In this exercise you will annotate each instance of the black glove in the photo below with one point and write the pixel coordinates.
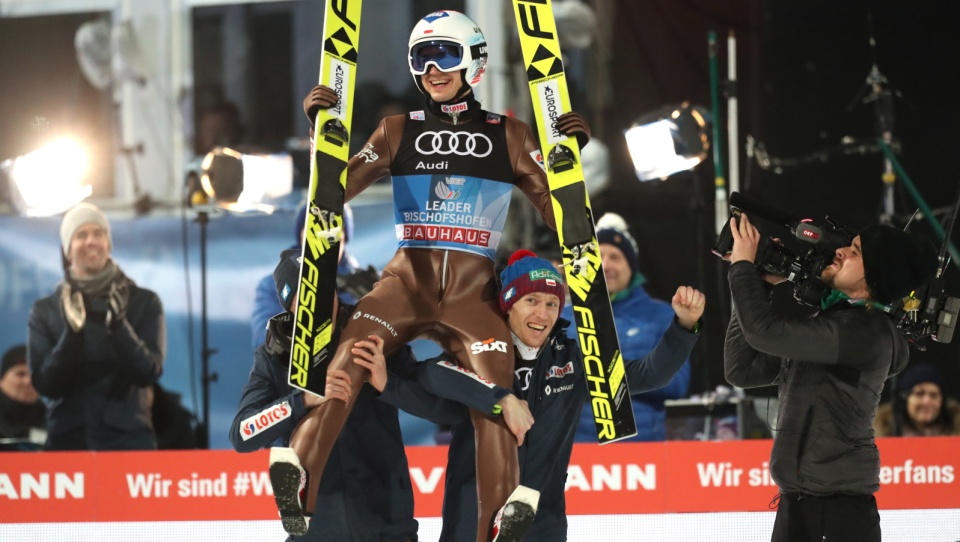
(573, 124)
(73, 310)
(117, 299)
(320, 97)
(279, 334)
(359, 282)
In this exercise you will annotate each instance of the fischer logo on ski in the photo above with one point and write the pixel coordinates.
(593, 317)
(312, 347)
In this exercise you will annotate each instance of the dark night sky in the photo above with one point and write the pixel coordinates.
(801, 65)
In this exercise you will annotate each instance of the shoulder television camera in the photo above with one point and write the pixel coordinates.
(795, 248)
(799, 249)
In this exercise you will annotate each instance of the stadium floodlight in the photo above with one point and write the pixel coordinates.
(240, 182)
(48, 180)
(669, 140)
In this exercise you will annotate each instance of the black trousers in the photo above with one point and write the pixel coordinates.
(837, 518)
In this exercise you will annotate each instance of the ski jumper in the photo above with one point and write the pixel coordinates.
(454, 167)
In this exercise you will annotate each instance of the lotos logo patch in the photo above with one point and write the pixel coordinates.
(538, 158)
(260, 422)
(455, 108)
(489, 345)
(560, 372)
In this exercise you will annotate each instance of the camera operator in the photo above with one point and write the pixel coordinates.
(830, 369)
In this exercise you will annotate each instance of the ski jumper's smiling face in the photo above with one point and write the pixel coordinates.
(442, 86)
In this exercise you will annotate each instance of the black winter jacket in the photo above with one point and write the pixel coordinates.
(365, 493)
(94, 382)
(830, 369)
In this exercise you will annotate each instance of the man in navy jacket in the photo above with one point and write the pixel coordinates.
(365, 494)
(549, 378)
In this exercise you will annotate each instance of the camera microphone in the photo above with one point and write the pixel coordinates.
(758, 211)
(755, 207)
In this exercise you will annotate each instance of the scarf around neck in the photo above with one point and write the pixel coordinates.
(99, 283)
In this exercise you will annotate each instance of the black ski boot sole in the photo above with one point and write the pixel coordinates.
(285, 479)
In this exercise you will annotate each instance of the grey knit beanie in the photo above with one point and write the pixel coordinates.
(84, 213)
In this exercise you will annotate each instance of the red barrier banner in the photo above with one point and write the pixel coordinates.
(627, 478)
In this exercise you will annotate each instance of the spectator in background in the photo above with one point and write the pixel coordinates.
(96, 345)
(21, 411)
(352, 281)
(920, 408)
(174, 425)
(641, 321)
(374, 101)
(218, 125)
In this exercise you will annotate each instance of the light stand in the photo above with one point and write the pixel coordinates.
(206, 377)
(196, 199)
(228, 179)
(672, 139)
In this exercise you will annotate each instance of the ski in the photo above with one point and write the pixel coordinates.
(312, 340)
(603, 363)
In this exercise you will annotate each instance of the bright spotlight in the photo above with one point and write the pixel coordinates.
(241, 182)
(49, 180)
(667, 141)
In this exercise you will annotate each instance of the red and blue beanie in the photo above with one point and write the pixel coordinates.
(526, 273)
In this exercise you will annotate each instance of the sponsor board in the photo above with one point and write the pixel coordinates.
(624, 478)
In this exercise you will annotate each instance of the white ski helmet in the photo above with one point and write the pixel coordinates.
(451, 41)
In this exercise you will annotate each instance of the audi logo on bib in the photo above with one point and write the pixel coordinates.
(446, 142)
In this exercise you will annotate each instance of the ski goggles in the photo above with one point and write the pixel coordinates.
(445, 55)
